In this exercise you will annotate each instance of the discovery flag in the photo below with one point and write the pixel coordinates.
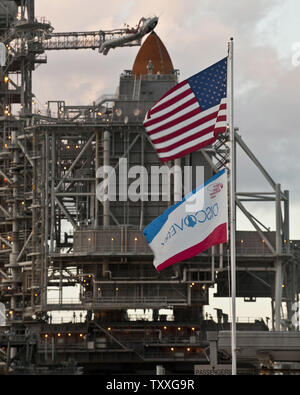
(192, 225)
(190, 115)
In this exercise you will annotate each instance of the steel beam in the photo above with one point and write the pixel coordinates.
(278, 278)
(249, 216)
(87, 144)
(66, 212)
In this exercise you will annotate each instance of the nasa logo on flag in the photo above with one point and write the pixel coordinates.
(214, 189)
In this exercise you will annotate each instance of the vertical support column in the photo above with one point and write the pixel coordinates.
(29, 62)
(15, 228)
(177, 180)
(290, 269)
(30, 10)
(213, 254)
(22, 67)
(8, 355)
(52, 229)
(91, 203)
(278, 263)
(28, 85)
(212, 337)
(52, 349)
(26, 62)
(106, 161)
(46, 216)
(127, 202)
(232, 208)
(96, 219)
(106, 205)
(35, 220)
(189, 293)
(286, 223)
(221, 256)
(273, 314)
(60, 290)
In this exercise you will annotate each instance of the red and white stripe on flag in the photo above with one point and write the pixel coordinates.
(189, 116)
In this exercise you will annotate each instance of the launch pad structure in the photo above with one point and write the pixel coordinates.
(56, 234)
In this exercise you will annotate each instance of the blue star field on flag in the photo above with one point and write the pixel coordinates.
(210, 85)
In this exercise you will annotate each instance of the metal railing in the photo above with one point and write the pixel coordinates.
(241, 319)
(126, 302)
(110, 299)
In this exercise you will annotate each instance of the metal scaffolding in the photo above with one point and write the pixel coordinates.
(56, 234)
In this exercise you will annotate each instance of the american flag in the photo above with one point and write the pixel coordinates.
(190, 115)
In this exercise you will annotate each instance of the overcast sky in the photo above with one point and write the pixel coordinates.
(195, 32)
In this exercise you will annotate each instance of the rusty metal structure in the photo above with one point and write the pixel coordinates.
(56, 234)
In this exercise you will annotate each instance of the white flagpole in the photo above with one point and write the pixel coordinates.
(232, 209)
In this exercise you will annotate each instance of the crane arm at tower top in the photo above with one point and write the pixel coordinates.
(101, 40)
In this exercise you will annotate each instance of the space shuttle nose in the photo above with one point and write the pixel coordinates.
(154, 22)
(150, 24)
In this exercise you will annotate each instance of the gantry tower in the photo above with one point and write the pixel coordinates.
(56, 234)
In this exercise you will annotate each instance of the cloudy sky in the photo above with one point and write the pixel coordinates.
(266, 70)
